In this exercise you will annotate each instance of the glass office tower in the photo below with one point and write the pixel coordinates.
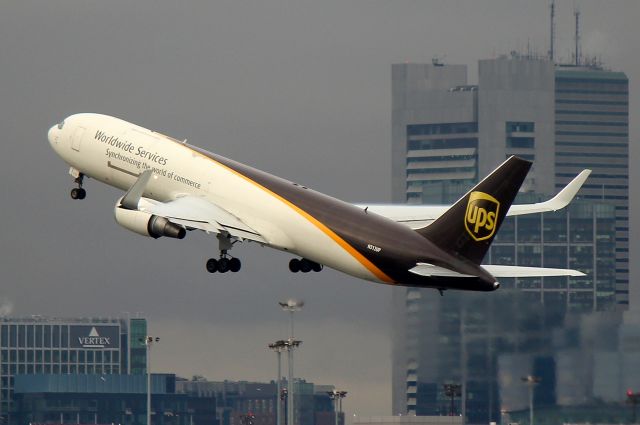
(39, 345)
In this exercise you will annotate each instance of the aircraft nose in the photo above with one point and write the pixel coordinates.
(52, 134)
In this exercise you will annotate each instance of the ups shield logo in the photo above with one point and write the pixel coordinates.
(481, 216)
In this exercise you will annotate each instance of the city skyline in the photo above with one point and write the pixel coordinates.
(304, 93)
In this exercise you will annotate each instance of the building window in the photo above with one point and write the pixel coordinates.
(21, 335)
(519, 127)
(30, 336)
(521, 142)
(64, 336)
(13, 335)
(47, 336)
(445, 128)
(56, 335)
(456, 143)
(38, 336)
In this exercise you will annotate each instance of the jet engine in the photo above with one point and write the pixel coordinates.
(146, 224)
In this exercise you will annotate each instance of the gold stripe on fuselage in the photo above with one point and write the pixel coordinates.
(324, 228)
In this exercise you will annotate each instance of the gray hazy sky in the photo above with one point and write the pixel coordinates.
(298, 88)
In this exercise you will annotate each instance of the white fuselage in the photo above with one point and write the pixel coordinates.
(115, 152)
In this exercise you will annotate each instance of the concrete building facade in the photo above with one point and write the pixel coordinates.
(446, 134)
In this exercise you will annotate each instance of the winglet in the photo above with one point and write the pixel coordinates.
(558, 202)
(566, 195)
(132, 197)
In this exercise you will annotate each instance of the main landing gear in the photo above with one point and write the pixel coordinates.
(225, 263)
(78, 192)
(303, 265)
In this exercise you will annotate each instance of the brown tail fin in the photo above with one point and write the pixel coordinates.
(469, 226)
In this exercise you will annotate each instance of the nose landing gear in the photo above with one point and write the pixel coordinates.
(78, 192)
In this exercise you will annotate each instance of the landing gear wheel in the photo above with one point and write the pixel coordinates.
(305, 265)
(223, 265)
(78, 193)
(234, 265)
(212, 265)
(294, 265)
(316, 267)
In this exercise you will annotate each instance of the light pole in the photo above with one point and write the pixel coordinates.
(634, 399)
(531, 381)
(338, 396)
(291, 345)
(148, 341)
(452, 391)
(291, 306)
(278, 347)
(333, 395)
(503, 416)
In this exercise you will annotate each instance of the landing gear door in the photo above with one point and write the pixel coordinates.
(76, 138)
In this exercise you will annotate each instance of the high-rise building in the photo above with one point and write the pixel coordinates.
(445, 135)
(51, 346)
(592, 131)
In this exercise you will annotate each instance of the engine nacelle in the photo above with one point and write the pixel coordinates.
(146, 224)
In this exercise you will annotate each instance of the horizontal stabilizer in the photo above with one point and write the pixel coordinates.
(499, 271)
(430, 270)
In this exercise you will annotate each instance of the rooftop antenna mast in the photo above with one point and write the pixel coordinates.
(576, 12)
(552, 39)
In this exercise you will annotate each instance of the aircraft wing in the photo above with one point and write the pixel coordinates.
(418, 216)
(191, 212)
(197, 213)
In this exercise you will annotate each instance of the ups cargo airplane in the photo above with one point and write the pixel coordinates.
(172, 187)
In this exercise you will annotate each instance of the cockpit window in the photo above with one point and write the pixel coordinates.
(60, 125)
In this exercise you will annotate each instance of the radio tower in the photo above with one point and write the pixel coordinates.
(576, 12)
(552, 38)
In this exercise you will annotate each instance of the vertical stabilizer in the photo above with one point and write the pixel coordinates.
(469, 226)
